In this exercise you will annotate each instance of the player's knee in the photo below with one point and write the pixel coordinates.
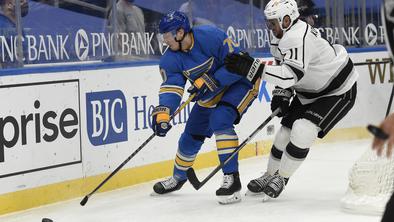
(189, 144)
(303, 133)
(222, 118)
(282, 138)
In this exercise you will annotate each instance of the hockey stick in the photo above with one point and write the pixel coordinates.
(390, 101)
(191, 174)
(388, 23)
(377, 132)
(392, 90)
(86, 198)
(380, 62)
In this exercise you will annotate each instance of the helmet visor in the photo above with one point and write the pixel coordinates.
(165, 37)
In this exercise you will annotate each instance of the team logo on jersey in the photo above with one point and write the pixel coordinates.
(81, 44)
(106, 117)
(199, 70)
(371, 34)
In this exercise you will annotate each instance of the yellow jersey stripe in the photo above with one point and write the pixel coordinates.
(171, 90)
(248, 98)
(209, 103)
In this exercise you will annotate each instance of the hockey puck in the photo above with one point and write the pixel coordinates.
(46, 220)
(376, 131)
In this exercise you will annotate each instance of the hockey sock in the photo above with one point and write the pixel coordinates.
(293, 158)
(274, 160)
(226, 143)
(188, 147)
(282, 138)
(302, 136)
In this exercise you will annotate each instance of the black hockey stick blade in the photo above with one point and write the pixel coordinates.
(192, 177)
(84, 201)
(376, 131)
(181, 107)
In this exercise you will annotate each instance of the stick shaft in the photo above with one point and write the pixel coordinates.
(390, 101)
(138, 149)
(220, 166)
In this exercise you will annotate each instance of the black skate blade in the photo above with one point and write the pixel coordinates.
(192, 177)
(376, 131)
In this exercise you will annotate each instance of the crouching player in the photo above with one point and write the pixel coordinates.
(197, 55)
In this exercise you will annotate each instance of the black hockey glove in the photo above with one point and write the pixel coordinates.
(244, 65)
(161, 120)
(202, 85)
(281, 99)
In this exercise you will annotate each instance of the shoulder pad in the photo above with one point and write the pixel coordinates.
(294, 37)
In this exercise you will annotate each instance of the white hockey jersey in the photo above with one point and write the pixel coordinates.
(310, 64)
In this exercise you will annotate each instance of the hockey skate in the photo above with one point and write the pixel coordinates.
(229, 191)
(167, 186)
(275, 186)
(256, 186)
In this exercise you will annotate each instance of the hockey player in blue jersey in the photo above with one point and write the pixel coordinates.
(197, 55)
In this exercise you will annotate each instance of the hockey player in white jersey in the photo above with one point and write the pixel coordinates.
(318, 78)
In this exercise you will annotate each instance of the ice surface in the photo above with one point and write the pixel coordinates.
(312, 195)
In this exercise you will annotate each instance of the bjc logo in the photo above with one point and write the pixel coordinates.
(106, 117)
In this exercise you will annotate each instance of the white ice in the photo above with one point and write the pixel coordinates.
(312, 195)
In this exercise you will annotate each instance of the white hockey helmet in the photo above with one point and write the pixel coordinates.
(278, 9)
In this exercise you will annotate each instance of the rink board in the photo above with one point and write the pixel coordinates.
(87, 122)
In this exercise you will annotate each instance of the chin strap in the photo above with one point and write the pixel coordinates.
(180, 41)
(291, 24)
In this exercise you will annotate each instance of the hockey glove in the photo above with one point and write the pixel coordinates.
(281, 99)
(244, 65)
(161, 120)
(202, 85)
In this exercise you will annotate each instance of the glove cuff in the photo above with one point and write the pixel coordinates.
(256, 70)
(162, 114)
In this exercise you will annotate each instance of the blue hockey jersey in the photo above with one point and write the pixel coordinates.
(210, 47)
